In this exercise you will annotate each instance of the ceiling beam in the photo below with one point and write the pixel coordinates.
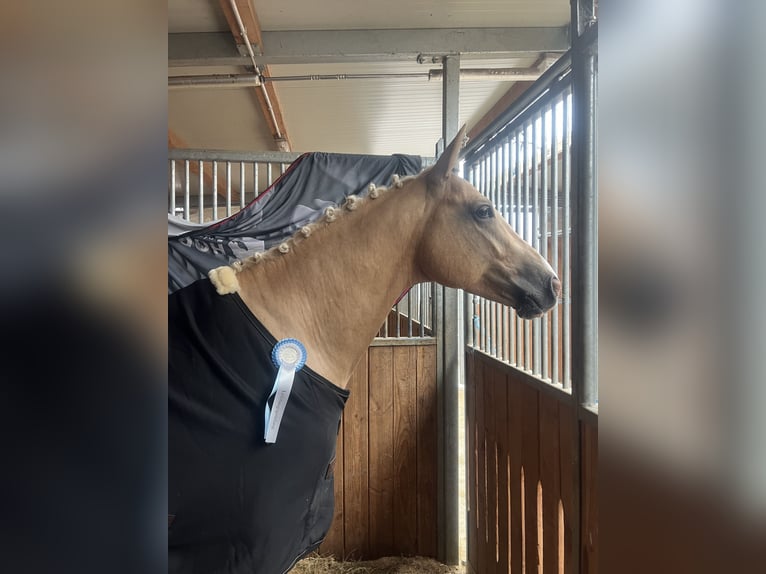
(328, 46)
(266, 94)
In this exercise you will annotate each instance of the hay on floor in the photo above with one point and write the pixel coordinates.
(392, 565)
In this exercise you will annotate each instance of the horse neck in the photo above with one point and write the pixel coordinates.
(333, 290)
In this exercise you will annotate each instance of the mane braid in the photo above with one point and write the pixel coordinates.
(224, 278)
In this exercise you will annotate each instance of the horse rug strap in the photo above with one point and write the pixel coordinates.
(238, 504)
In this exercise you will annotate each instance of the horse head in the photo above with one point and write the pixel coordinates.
(468, 244)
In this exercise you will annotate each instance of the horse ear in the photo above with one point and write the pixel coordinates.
(439, 173)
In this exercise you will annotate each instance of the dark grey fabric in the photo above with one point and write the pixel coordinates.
(312, 183)
(237, 505)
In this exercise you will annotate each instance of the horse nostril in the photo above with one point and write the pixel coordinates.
(556, 286)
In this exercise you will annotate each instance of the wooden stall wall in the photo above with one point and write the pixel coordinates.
(525, 475)
(386, 466)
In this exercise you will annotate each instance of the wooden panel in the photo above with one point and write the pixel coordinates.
(426, 451)
(569, 470)
(405, 455)
(550, 478)
(471, 455)
(490, 377)
(481, 468)
(381, 463)
(530, 464)
(515, 409)
(503, 477)
(529, 459)
(589, 505)
(356, 486)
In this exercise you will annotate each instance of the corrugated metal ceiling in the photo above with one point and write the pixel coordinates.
(378, 116)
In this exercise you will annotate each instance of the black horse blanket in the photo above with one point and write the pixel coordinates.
(235, 504)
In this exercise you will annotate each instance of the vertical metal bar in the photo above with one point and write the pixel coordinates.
(409, 313)
(228, 188)
(215, 190)
(398, 320)
(172, 209)
(584, 285)
(511, 216)
(255, 179)
(519, 229)
(544, 234)
(565, 280)
(242, 186)
(504, 200)
(268, 175)
(422, 301)
(469, 298)
(497, 176)
(450, 359)
(201, 191)
(187, 190)
(486, 334)
(281, 169)
(492, 184)
(556, 347)
(507, 323)
(528, 237)
(536, 324)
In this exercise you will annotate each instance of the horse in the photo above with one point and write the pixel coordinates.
(237, 504)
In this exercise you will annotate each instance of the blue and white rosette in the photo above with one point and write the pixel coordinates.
(290, 356)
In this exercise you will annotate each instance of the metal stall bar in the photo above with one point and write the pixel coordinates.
(228, 188)
(502, 340)
(555, 373)
(242, 201)
(172, 210)
(450, 358)
(565, 280)
(505, 211)
(255, 179)
(518, 225)
(535, 233)
(490, 193)
(533, 139)
(470, 172)
(528, 238)
(187, 189)
(545, 374)
(584, 239)
(215, 190)
(201, 205)
(508, 167)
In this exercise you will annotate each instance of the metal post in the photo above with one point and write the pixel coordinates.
(215, 191)
(172, 209)
(186, 190)
(584, 243)
(450, 357)
(201, 206)
(241, 185)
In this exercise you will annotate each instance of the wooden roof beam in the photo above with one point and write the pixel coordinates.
(266, 94)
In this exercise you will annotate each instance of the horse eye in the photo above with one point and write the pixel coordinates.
(485, 212)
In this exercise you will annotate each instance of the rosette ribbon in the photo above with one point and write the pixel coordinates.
(289, 355)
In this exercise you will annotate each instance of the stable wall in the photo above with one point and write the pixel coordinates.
(386, 463)
(532, 497)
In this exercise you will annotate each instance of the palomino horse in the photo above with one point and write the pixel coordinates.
(237, 504)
